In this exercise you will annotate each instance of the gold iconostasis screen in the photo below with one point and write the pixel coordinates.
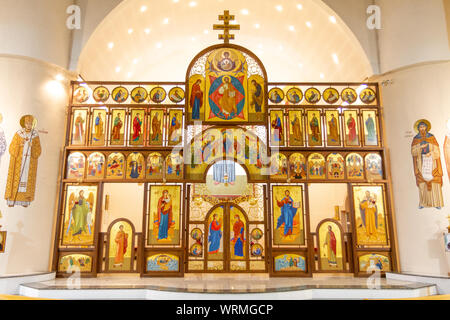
(184, 141)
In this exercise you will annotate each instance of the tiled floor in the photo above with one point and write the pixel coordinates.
(224, 283)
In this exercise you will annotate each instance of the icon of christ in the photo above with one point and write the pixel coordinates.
(227, 97)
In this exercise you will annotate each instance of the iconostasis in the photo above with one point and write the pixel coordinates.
(225, 161)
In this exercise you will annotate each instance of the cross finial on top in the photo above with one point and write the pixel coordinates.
(226, 26)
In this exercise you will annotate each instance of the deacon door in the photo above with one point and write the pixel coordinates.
(227, 239)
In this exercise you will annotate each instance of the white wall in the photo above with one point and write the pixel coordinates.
(126, 201)
(330, 195)
(412, 31)
(27, 86)
(36, 28)
(417, 92)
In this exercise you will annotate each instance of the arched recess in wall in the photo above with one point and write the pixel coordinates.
(156, 44)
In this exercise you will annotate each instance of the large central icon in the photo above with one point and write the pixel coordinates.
(227, 97)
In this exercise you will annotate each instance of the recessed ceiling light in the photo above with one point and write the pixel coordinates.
(135, 61)
(192, 4)
(260, 45)
(257, 25)
(299, 6)
(335, 58)
(322, 76)
(333, 19)
(118, 69)
(130, 31)
(279, 7)
(147, 31)
(193, 38)
(308, 24)
(175, 1)
(159, 45)
(205, 31)
(244, 11)
(291, 28)
(111, 45)
(166, 21)
(281, 48)
(129, 74)
(300, 65)
(143, 8)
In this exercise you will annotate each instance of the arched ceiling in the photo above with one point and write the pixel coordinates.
(152, 40)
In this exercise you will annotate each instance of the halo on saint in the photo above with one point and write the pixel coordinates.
(25, 118)
(418, 122)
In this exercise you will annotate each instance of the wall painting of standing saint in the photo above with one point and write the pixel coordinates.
(175, 127)
(316, 166)
(355, 166)
(427, 166)
(374, 166)
(297, 167)
(330, 246)
(370, 127)
(76, 163)
(333, 128)
(98, 127)
(335, 166)
(139, 95)
(115, 167)
(370, 215)
(121, 246)
(79, 216)
(117, 131)
(238, 234)
(155, 166)
(137, 127)
(196, 110)
(135, 166)
(75, 262)
(79, 122)
(214, 236)
(351, 125)
(164, 215)
(226, 86)
(287, 210)
(256, 90)
(95, 166)
(289, 263)
(24, 151)
(374, 261)
(278, 166)
(156, 124)
(174, 166)
(296, 128)
(276, 128)
(314, 128)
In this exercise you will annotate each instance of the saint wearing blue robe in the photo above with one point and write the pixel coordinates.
(288, 213)
(370, 125)
(164, 216)
(215, 235)
(238, 239)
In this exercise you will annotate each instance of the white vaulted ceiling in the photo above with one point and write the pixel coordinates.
(154, 40)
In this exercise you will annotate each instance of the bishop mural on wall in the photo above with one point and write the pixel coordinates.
(24, 150)
(427, 166)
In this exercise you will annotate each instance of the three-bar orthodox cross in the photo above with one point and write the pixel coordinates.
(226, 26)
